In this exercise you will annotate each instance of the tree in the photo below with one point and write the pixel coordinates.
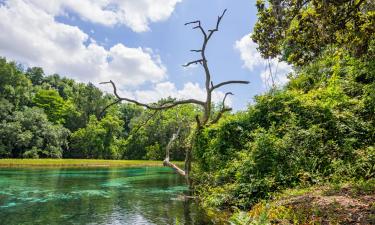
(150, 133)
(127, 113)
(14, 85)
(98, 140)
(207, 118)
(299, 30)
(54, 106)
(29, 134)
(35, 74)
(89, 100)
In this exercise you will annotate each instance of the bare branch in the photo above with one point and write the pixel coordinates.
(198, 26)
(114, 87)
(193, 62)
(166, 161)
(101, 115)
(169, 105)
(193, 22)
(176, 168)
(169, 145)
(193, 50)
(211, 32)
(223, 109)
(198, 121)
(225, 98)
(229, 82)
(135, 131)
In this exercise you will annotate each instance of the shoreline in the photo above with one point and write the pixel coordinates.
(52, 163)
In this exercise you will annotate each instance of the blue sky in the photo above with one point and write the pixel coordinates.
(140, 45)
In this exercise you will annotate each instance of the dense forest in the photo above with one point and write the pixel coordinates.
(55, 117)
(318, 128)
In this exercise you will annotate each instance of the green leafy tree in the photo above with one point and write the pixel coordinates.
(14, 85)
(99, 139)
(35, 74)
(299, 30)
(318, 128)
(152, 132)
(29, 134)
(54, 106)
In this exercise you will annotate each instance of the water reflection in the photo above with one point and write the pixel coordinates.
(95, 196)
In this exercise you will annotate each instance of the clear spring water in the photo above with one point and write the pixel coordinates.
(148, 195)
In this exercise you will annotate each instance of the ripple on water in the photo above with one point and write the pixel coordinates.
(94, 196)
(10, 204)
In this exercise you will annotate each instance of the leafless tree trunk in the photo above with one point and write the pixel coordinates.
(204, 120)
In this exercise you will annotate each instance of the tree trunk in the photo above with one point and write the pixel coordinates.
(206, 119)
(188, 157)
(187, 168)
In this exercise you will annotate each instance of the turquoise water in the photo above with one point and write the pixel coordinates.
(95, 196)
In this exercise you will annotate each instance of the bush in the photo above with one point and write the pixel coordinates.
(319, 128)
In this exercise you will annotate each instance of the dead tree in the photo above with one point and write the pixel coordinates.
(204, 120)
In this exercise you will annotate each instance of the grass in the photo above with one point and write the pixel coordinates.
(77, 163)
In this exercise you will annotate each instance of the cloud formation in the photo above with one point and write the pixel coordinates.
(253, 60)
(136, 14)
(31, 35)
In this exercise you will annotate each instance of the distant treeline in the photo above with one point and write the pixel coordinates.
(56, 117)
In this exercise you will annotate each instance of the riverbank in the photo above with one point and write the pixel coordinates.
(349, 203)
(77, 163)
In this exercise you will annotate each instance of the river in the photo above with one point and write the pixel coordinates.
(148, 195)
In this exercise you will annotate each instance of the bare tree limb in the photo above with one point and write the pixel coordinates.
(154, 107)
(229, 82)
(144, 123)
(176, 168)
(193, 22)
(223, 109)
(169, 145)
(200, 61)
(101, 115)
(225, 97)
(198, 26)
(166, 161)
(198, 121)
(113, 86)
(207, 118)
(211, 32)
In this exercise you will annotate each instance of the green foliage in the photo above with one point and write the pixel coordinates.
(76, 107)
(319, 128)
(153, 130)
(98, 140)
(14, 86)
(29, 134)
(299, 30)
(35, 74)
(54, 106)
(314, 205)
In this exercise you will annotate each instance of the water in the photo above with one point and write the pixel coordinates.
(95, 196)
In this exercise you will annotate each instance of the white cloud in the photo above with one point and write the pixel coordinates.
(136, 14)
(253, 60)
(32, 36)
(133, 65)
